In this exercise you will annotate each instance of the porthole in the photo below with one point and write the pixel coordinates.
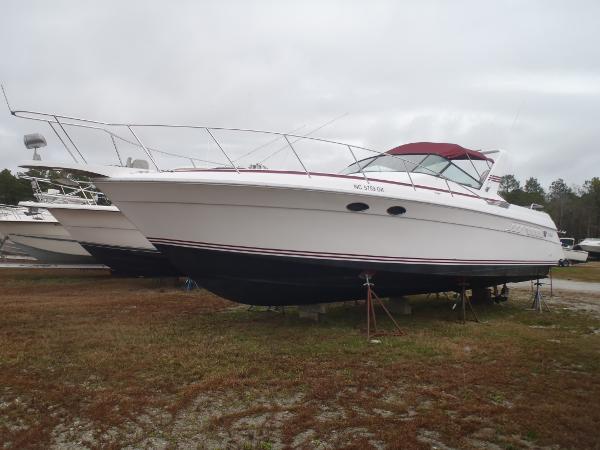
(356, 207)
(396, 210)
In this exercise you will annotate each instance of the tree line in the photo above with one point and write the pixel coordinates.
(13, 189)
(575, 210)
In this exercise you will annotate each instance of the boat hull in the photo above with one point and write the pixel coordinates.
(593, 250)
(575, 255)
(48, 242)
(276, 280)
(113, 240)
(129, 261)
(277, 243)
(53, 257)
(8, 248)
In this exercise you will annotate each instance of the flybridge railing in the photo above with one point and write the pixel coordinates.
(68, 191)
(69, 121)
(60, 122)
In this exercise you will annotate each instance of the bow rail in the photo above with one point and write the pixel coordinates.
(62, 122)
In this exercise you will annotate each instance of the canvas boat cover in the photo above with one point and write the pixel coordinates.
(448, 151)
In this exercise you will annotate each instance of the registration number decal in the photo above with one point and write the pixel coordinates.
(368, 187)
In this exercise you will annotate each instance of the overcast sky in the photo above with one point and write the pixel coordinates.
(521, 76)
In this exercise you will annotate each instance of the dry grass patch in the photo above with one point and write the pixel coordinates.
(102, 362)
(589, 271)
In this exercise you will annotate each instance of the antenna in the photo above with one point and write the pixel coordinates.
(517, 114)
(6, 100)
(302, 137)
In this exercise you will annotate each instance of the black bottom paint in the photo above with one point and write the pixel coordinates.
(132, 261)
(279, 280)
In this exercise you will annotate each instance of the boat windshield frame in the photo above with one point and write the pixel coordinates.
(426, 163)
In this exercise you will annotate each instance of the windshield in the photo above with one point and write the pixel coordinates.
(434, 165)
(385, 163)
(566, 242)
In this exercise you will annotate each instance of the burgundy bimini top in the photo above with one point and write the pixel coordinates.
(448, 151)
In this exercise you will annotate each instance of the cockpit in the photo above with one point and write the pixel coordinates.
(447, 161)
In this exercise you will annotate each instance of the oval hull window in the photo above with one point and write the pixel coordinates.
(356, 207)
(396, 210)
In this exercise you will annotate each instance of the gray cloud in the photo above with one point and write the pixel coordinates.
(520, 76)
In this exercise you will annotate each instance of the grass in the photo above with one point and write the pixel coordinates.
(589, 271)
(107, 362)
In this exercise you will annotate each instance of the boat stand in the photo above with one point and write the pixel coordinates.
(463, 300)
(371, 318)
(539, 303)
(502, 296)
(190, 285)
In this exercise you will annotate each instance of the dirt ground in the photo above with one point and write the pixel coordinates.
(92, 361)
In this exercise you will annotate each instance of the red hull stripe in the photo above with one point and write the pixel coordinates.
(343, 256)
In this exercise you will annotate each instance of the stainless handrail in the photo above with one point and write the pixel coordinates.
(86, 189)
(85, 123)
(115, 136)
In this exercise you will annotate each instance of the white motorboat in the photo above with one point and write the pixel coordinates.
(572, 255)
(35, 231)
(270, 237)
(8, 248)
(38, 234)
(101, 229)
(590, 245)
(109, 237)
(422, 217)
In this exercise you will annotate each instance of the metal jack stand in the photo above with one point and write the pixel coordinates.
(463, 300)
(539, 303)
(502, 296)
(371, 310)
(190, 285)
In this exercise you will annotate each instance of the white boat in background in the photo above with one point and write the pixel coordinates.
(8, 248)
(590, 245)
(37, 233)
(113, 240)
(572, 255)
(422, 217)
(101, 229)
